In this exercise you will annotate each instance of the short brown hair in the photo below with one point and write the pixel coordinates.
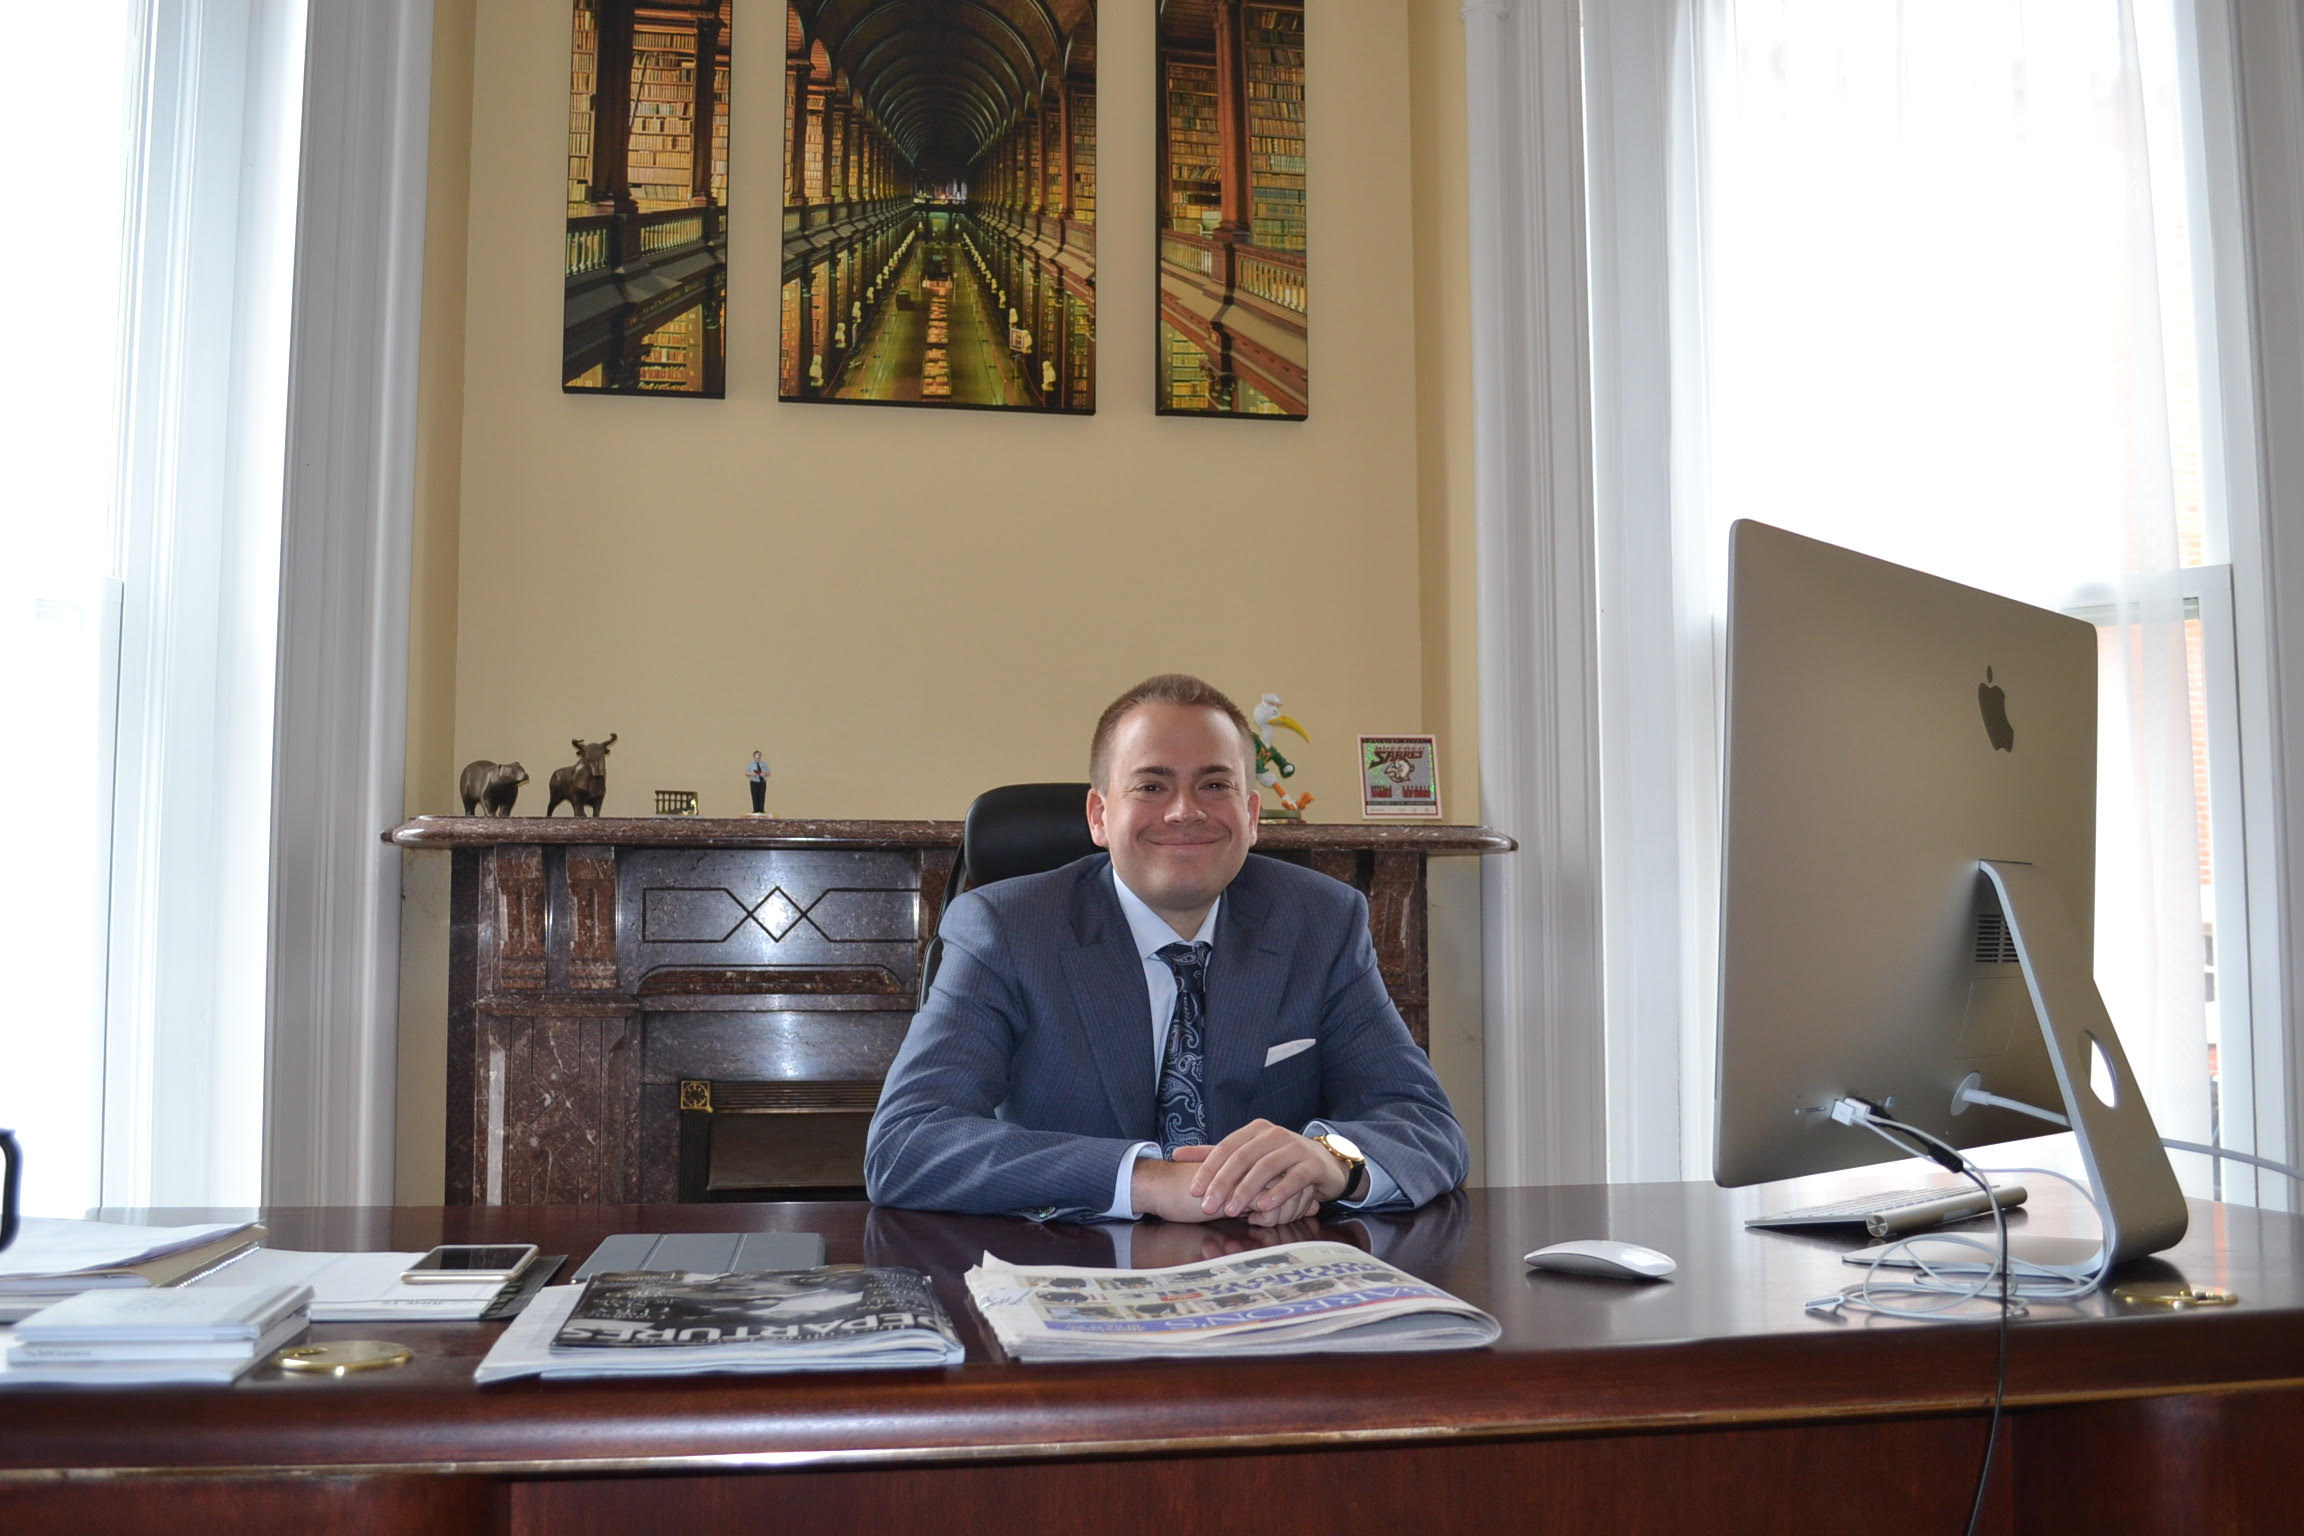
(1168, 688)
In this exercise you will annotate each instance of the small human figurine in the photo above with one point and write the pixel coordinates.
(756, 775)
(1271, 767)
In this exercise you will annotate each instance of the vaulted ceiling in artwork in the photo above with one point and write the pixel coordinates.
(944, 79)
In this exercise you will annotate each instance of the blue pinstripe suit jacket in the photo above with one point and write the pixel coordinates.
(1030, 1071)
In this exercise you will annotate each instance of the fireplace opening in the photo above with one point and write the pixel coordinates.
(774, 1141)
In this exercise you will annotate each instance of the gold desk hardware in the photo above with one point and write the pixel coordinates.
(2178, 1298)
(342, 1357)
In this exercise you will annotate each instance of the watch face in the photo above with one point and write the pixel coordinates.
(1345, 1145)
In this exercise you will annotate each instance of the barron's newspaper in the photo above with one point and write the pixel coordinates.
(1299, 1298)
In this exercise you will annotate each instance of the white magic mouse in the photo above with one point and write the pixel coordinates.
(1604, 1256)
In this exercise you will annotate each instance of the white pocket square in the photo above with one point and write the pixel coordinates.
(1286, 1049)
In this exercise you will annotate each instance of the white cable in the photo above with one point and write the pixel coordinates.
(2003, 1270)
(2237, 1157)
(2019, 1280)
(1946, 1290)
(1969, 1093)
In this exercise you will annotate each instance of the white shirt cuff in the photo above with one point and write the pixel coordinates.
(1123, 1205)
(1380, 1185)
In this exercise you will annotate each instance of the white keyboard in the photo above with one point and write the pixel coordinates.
(1895, 1211)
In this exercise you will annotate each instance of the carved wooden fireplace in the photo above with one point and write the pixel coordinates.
(683, 1009)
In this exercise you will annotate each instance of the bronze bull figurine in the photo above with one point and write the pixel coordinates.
(583, 784)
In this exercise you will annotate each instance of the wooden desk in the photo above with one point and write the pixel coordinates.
(1711, 1402)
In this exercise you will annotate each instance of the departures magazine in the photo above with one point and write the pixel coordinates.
(840, 1317)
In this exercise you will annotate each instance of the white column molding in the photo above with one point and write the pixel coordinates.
(2259, 46)
(1539, 678)
(342, 698)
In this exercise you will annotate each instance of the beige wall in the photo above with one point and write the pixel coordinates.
(904, 606)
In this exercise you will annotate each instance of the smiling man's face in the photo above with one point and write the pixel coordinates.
(1177, 808)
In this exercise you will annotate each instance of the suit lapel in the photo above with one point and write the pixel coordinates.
(1112, 1003)
(1247, 978)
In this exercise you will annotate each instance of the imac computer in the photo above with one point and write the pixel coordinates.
(1908, 879)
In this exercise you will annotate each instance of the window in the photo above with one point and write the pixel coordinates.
(1919, 280)
(137, 636)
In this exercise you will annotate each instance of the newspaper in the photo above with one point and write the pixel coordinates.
(630, 1323)
(1299, 1298)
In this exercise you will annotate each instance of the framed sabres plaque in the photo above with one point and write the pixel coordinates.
(1399, 776)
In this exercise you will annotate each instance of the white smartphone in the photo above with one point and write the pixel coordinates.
(469, 1263)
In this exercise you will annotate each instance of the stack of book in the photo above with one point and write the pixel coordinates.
(53, 1258)
(204, 1333)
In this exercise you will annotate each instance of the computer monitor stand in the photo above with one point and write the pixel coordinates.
(2136, 1191)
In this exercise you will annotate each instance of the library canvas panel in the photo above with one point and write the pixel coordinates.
(647, 255)
(940, 203)
(1232, 212)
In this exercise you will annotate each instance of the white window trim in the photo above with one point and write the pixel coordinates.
(1539, 680)
(339, 747)
(2251, 1045)
(2251, 68)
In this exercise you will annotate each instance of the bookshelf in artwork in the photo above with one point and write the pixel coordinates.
(790, 331)
(1084, 156)
(582, 75)
(820, 316)
(815, 156)
(1275, 47)
(1082, 355)
(1195, 193)
(672, 355)
(661, 146)
(720, 136)
(1183, 372)
(663, 118)
(835, 157)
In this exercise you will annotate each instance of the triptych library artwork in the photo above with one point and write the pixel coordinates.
(938, 242)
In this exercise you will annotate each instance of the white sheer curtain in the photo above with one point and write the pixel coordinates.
(60, 616)
(143, 453)
(1913, 272)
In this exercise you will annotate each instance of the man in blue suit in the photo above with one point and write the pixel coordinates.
(1171, 1028)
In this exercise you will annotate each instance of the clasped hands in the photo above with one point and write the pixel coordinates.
(1264, 1173)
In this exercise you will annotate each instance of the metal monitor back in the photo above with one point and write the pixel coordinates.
(1861, 950)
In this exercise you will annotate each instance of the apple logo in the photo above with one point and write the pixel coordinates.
(1993, 701)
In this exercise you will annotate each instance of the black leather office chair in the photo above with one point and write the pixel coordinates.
(1017, 829)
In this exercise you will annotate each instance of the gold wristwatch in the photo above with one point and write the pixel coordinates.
(1354, 1160)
